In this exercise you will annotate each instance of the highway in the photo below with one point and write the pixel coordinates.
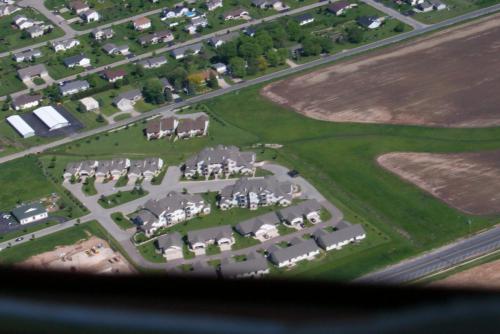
(437, 260)
(403, 272)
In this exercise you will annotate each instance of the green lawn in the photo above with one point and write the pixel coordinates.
(88, 186)
(148, 251)
(120, 197)
(122, 221)
(48, 243)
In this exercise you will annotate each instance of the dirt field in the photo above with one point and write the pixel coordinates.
(93, 256)
(484, 276)
(469, 182)
(449, 79)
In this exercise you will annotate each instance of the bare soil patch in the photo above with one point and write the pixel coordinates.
(483, 276)
(449, 79)
(469, 182)
(91, 256)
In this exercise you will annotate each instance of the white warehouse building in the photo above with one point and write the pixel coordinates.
(51, 118)
(21, 126)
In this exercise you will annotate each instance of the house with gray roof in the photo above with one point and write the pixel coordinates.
(338, 239)
(153, 62)
(30, 213)
(73, 87)
(294, 216)
(100, 34)
(77, 60)
(220, 161)
(65, 45)
(156, 37)
(221, 236)
(126, 101)
(170, 210)
(145, 169)
(299, 250)
(181, 52)
(28, 55)
(263, 227)
(254, 266)
(26, 101)
(170, 245)
(189, 127)
(29, 73)
(80, 169)
(111, 169)
(255, 193)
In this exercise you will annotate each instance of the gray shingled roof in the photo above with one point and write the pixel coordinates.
(270, 183)
(300, 209)
(74, 59)
(297, 249)
(333, 238)
(254, 262)
(189, 124)
(219, 154)
(166, 241)
(254, 224)
(146, 165)
(72, 85)
(212, 233)
(182, 50)
(171, 202)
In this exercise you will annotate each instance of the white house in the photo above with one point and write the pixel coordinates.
(221, 236)
(340, 238)
(30, 213)
(90, 16)
(142, 23)
(262, 228)
(170, 245)
(254, 266)
(89, 103)
(294, 216)
(65, 45)
(298, 250)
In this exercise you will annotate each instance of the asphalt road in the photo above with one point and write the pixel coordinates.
(437, 260)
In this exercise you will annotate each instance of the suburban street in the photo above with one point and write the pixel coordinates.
(403, 272)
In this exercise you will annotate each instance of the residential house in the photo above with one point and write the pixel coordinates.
(304, 19)
(340, 7)
(425, 7)
(437, 4)
(254, 266)
(414, 2)
(177, 12)
(250, 31)
(100, 34)
(221, 236)
(274, 4)
(37, 30)
(170, 245)
(142, 23)
(65, 45)
(172, 209)
(369, 22)
(28, 55)
(90, 16)
(127, 100)
(239, 13)
(26, 101)
(36, 71)
(6, 9)
(299, 250)
(340, 238)
(113, 49)
(153, 62)
(219, 161)
(263, 227)
(113, 75)
(220, 68)
(22, 22)
(81, 169)
(196, 24)
(89, 104)
(77, 61)
(30, 213)
(145, 169)
(189, 128)
(163, 36)
(294, 216)
(111, 169)
(161, 127)
(73, 87)
(219, 40)
(78, 7)
(255, 193)
(214, 4)
(181, 52)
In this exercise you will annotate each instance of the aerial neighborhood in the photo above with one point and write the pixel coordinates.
(203, 138)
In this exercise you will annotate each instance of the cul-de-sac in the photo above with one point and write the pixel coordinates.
(348, 140)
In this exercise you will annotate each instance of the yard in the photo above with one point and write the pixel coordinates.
(121, 197)
(123, 222)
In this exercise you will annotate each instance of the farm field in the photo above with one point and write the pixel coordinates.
(400, 88)
(469, 182)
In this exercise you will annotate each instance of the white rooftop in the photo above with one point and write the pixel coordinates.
(51, 117)
(21, 126)
(89, 103)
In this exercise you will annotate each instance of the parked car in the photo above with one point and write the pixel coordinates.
(293, 173)
(19, 239)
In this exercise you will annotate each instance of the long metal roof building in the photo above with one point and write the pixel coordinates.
(21, 126)
(51, 118)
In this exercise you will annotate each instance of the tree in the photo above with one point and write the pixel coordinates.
(237, 66)
(249, 49)
(153, 91)
(212, 81)
(326, 44)
(262, 63)
(294, 31)
(279, 35)
(168, 95)
(355, 35)
(99, 118)
(264, 40)
(311, 47)
(139, 71)
(273, 58)
(400, 27)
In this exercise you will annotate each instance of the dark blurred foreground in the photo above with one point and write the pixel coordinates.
(35, 302)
